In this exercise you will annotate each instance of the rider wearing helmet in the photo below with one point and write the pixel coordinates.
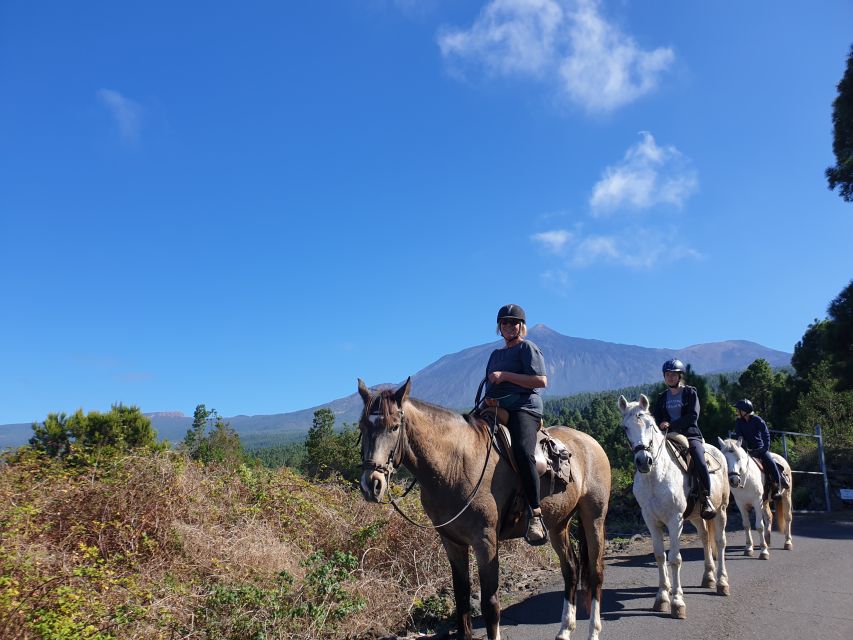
(677, 410)
(514, 373)
(756, 437)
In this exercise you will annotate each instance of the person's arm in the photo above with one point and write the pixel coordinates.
(762, 435)
(521, 379)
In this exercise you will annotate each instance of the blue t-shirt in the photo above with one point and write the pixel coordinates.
(524, 358)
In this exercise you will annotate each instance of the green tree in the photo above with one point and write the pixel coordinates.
(825, 405)
(841, 175)
(121, 429)
(320, 444)
(52, 436)
(840, 336)
(211, 439)
(757, 384)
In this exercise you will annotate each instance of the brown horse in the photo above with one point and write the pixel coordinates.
(471, 495)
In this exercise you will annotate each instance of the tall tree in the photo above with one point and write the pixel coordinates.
(757, 383)
(841, 175)
(320, 445)
(840, 336)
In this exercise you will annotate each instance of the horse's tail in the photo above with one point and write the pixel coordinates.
(582, 561)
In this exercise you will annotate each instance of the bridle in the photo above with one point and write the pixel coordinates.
(395, 458)
(635, 449)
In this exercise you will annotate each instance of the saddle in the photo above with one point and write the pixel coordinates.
(766, 479)
(553, 459)
(678, 445)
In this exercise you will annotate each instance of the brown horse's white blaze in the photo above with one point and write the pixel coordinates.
(466, 492)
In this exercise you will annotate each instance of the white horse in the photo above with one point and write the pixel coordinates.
(661, 488)
(745, 479)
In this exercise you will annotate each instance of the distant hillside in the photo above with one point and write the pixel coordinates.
(574, 365)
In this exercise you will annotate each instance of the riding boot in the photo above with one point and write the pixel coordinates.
(536, 532)
(706, 509)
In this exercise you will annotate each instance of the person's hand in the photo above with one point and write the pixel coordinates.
(664, 426)
(496, 376)
(490, 402)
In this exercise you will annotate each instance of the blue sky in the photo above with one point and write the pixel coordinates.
(251, 205)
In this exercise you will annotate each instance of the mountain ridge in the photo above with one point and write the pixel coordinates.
(574, 365)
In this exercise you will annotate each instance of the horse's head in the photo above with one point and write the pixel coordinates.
(382, 426)
(641, 430)
(737, 460)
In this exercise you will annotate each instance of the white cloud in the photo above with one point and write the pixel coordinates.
(566, 43)
(634, 248)
(509, 36)
(606, 69)
(648, 175)
(125, 111)
(553, 241)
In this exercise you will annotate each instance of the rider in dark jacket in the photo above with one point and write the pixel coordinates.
(756, 438)
(677, 410)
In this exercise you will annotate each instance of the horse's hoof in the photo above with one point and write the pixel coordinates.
(765, 555)
(679, 611)
(661, 606)
(723, 590)
(709, 583)
(749, 553)
(788, 546)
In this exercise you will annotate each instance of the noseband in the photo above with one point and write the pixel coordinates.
(647, 447)
(396, 455)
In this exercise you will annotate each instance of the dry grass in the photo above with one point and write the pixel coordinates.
(155, 546)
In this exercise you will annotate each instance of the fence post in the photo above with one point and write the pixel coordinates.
(819, 433)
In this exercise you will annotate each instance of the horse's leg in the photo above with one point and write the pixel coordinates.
(720, 547)
(784, 518)
(568, 567)
(593, 525)
(457, 554)
(743, 507)
(678, 607)
(763, 518)
(706, 529)
(662, 599)
(486, 552)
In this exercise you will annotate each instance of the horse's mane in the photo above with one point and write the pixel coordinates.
(387, 400)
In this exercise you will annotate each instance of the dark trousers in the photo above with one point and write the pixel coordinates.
(771, 468)
(522, 428)
(700, 467)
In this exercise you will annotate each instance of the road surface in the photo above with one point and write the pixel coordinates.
(800, 594)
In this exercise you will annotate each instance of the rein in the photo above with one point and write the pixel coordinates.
(394, 461)
(648, 447)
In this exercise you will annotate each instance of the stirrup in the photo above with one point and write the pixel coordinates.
(706, 509)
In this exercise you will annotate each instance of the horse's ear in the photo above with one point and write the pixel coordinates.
(722, 444)
(402, 394)
(740, 441)
(622, 403)
(644, 402)
(363, 391)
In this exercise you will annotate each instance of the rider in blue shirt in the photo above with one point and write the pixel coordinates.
(756, 438)
(515, 372)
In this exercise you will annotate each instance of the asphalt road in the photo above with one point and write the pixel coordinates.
(799, 594)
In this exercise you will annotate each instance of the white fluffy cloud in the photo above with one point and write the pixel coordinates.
(634, 248)
(648, 175)
(125, 111)
(553, 241)
(564, 42)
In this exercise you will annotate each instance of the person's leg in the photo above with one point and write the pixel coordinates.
(697, 452)
(523, 427)
(772, 471)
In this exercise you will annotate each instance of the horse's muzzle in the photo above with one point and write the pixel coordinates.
(643, 461)
(734, 480)
(372, 485)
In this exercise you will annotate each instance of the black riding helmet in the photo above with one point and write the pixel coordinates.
(512, 311)
(744, 405)
(673, 365)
